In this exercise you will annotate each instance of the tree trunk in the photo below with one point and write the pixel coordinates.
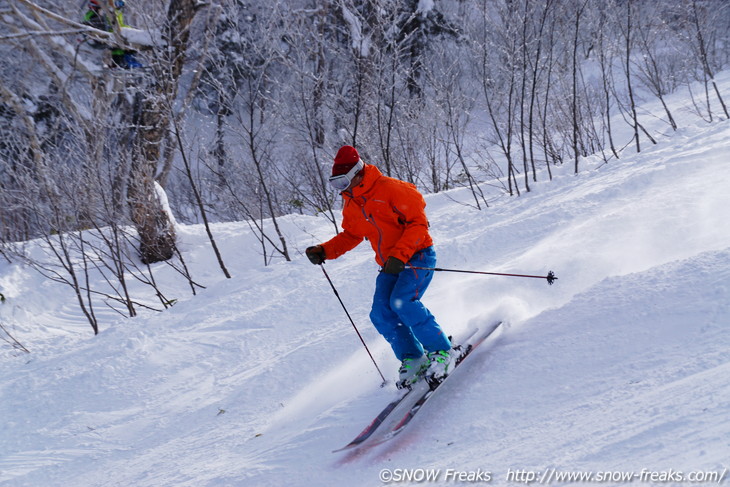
(156, 233)
(634, 116)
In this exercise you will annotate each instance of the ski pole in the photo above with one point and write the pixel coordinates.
(550, 276)
(353, 324)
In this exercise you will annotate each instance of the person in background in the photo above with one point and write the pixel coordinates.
(96, 18)
(391, 215)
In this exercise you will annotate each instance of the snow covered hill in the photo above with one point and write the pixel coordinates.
(620, 370)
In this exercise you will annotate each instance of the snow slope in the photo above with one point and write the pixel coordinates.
(620, 368)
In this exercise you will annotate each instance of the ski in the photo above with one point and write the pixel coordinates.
(373, 426)
(399, 412)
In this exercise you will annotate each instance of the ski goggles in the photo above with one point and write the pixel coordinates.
(342, 181)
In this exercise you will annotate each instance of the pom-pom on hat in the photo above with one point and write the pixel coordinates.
(345, 160)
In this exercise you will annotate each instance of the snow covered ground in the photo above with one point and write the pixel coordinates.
(619, 370)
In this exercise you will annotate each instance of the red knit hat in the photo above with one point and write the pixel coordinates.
(345, 160)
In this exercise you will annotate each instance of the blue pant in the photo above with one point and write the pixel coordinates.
(399, 315)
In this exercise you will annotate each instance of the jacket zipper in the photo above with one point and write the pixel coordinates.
(371, 220)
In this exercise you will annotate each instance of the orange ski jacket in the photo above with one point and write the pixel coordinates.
(388, 212)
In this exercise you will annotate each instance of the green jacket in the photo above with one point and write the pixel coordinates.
(99, 21)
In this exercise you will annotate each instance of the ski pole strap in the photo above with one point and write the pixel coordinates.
(550, 276)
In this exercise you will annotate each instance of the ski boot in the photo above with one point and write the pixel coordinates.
(440, 364)
(411, 370)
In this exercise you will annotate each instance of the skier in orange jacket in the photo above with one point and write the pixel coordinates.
(391, 214)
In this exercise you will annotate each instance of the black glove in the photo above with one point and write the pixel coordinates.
(315, 254)
(393, 265)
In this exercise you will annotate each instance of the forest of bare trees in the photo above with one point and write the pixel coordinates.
(241, 104)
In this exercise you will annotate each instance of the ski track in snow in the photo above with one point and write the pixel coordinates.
(621, 365)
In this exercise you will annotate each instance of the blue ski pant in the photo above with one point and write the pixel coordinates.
(398, 314)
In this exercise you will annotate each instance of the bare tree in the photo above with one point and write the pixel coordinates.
(498, 72)
(538, 67)
(627, 33)
(575, 108)
(703, 48)
(656, 68)
(605, 49)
